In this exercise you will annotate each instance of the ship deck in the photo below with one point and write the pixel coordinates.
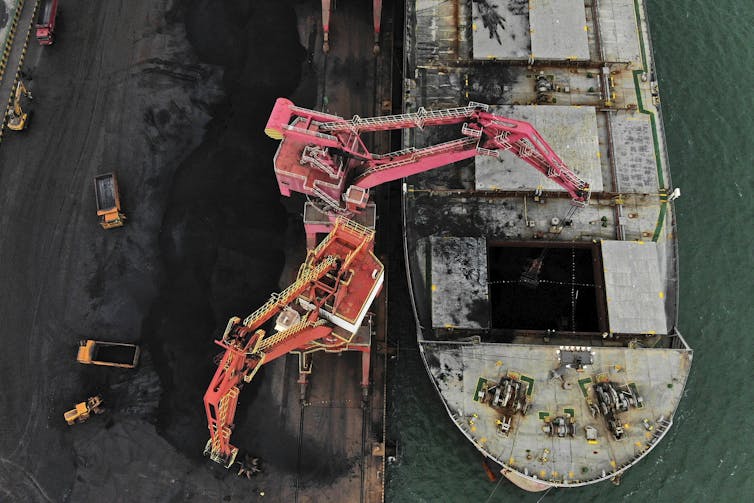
(458, 371)
(583, 75)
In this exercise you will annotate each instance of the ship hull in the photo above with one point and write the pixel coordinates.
(549, 331)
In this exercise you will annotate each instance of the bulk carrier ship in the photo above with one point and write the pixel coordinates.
(548, 329)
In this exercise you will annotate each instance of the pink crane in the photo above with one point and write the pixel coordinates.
(321, 311)
(324, 156)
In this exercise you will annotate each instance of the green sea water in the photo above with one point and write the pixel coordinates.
(704, 55)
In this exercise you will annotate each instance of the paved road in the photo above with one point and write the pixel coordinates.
(19, 38)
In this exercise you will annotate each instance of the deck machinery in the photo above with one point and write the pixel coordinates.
(323, 310)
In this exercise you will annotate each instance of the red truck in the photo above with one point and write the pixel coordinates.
(48, 11)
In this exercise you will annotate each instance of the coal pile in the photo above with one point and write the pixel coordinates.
(222, 237)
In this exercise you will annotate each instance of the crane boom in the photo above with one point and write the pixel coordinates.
(322, 310)
(324, 156)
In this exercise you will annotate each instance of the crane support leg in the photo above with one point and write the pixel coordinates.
(304, 369)
(311, 236)
(303, 386)
(312, 230)
(365, 357)
(377, 15)
(326, 25)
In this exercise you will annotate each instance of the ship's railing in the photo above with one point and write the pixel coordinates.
(328, 199)
(417, 118)
(356, 228)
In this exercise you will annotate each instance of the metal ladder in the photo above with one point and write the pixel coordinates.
(311, 154)
(222, 415)
(306, 276)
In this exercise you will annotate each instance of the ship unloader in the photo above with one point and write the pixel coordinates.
(323, 310)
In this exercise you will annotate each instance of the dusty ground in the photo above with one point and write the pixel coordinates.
(173, 96)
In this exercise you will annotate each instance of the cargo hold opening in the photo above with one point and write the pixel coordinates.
(545, 287)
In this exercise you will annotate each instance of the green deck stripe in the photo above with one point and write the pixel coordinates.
(583, 383)
(482, 381)
(530, 388)
(660, 220)
(656, 143)
(660, 177)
